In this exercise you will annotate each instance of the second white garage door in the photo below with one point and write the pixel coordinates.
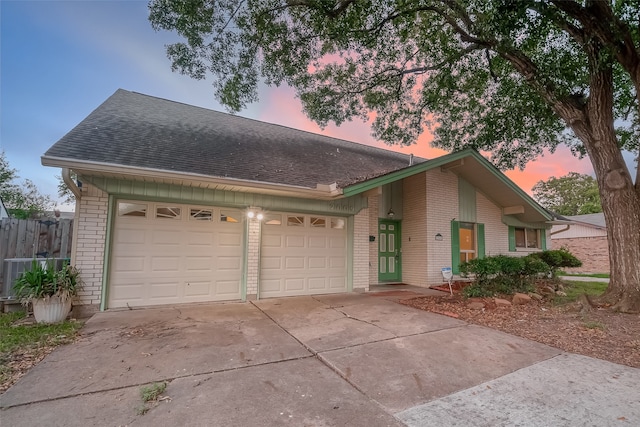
(303, 255)
(170, 253)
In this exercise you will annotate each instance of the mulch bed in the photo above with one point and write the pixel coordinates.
(596, 332)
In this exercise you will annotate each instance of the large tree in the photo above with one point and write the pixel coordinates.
(508, 77)
(21, 200)
(572, 194)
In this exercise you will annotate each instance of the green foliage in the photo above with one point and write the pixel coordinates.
(43, 281)
(64, 192)
(556, 259)
(21, 200)
(501, 274)
(572, 194)
(493, 75)
(15, 337)
(152, 392)
(575, 289)
(16, 340)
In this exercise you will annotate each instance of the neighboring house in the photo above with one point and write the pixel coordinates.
(3, 210)
(585, 236)
(181, 204)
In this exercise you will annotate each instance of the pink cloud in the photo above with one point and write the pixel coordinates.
(280, 106)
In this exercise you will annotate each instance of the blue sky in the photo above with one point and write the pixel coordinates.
(61, 59)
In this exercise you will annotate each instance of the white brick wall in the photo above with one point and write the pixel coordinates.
(253, 258)
(89, 242)
(414, 230)
(361, 250)
(442, 207)
(374, 202)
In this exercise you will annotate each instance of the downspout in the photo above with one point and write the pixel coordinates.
(66, 178)
(560, 231)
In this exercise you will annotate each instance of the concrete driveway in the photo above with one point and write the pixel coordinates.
(335, 360)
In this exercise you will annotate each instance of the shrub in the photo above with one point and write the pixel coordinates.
(556, 259)
(501, 274)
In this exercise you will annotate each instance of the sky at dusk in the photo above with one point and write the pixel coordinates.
(61, 59)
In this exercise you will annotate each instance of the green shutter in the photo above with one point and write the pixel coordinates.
(512, 239)
(543, 240)
(455, 247)
(480, 231)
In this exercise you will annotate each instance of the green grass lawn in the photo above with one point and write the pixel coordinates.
(18, 339)
(575, 289)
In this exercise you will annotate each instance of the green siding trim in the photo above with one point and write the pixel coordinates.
(106, 265)
(245, 263)
(437, 162)
(481, 245)
(543, 240)
(466, 201)
(455, 247)
(141, 190)
(512, 239)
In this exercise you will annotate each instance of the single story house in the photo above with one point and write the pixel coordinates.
(180, 204)
(585, 236)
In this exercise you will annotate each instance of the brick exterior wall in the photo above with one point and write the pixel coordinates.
(89, 241)
(442, 207)
(592, 251)
(374, 203)
(414, 230)
(253, 257)
(361, 251)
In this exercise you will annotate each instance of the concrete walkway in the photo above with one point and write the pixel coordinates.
(335, 360)
(584, 279)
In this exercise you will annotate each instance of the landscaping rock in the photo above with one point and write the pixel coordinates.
(521, 299)
(476, 305)
(502, 302)
(547, 290)
(561, 293)
(535, 296)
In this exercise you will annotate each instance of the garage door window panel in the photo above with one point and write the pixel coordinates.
(295, 221)
(168, 212)
(229, 217)
(318, 222)
(201, 214)
(132, 209)
(273, 219)
(337, 223)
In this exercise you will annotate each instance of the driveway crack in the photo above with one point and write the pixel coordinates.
(348, 316)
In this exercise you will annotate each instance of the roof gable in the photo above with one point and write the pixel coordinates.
(474, 168)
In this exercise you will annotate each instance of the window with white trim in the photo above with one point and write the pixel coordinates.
(527, 238)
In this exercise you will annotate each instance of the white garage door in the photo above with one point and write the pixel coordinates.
(166, 253)
(303, 255)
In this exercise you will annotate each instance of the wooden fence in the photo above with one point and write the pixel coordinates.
(30, 238)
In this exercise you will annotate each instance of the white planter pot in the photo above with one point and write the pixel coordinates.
(51, 310)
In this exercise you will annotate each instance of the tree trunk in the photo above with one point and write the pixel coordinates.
(621, 207)
(620, 200)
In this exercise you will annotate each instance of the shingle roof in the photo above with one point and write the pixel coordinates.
(596, 219)
(136, 130)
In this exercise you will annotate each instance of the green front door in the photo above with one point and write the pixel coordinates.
(389, 251)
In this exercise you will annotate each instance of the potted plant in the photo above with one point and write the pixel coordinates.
(49, 290)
